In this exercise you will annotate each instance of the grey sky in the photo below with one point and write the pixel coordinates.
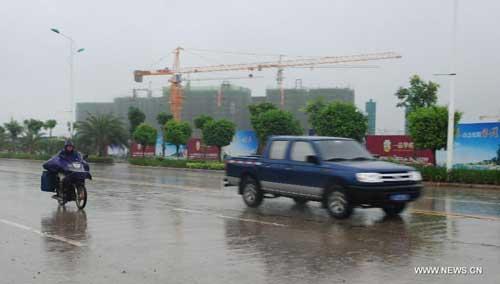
(120, 36)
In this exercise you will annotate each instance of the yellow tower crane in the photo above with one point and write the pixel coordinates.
(176, 72)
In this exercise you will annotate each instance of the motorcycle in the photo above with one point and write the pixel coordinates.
(69, 182)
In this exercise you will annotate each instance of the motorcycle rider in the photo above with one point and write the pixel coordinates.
(68, 154)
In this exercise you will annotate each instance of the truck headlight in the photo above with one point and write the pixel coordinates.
(415, 176)
(369, 177)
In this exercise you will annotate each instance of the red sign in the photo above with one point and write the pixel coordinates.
(197, 151)
(137, 150)
(399, 147)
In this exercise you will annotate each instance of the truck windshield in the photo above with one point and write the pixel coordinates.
(343, 150)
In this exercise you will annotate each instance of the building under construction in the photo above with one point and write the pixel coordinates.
(296, 99)
(225, 101)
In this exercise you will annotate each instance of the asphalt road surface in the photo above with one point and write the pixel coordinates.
(145, 225)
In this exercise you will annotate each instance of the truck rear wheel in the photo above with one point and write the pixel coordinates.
(251, 193)
(337, 204)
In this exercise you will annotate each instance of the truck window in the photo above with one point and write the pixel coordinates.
(278, 150)
(300, 151)
(341, 150)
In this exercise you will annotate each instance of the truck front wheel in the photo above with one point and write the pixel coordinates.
(337, 204)
(251, 193)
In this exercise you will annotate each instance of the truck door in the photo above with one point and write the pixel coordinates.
(305, 179)
(273, 166)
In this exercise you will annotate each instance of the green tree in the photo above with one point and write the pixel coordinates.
(428, 127)
(275, 122)
(419, 94)
(145, 134)
(162, 119)
(14, 129)
(135, 117)
(33, 125)
(32, 135)
(3, 138)
(257, 109)
(339, 119)
(218, 133)
(177, 133)
(201, 120)
(99, 131)
(50, 146)
(313, 109)
(50, 125)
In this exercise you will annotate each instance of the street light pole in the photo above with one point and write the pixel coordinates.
(451, 104)
(72, 52)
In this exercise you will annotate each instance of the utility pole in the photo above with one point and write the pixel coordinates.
(451, 104)
(72, 52)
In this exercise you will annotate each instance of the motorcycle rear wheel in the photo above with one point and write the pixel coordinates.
(80, 196)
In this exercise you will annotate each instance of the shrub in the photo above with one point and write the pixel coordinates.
(97, 159)
(468, 176)
(158, 162)
(171, 163)
(24, 156)
(45, 157)
(206, 165)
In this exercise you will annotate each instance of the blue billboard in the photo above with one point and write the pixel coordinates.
(477, 146)
(244, 143)
(169, 148)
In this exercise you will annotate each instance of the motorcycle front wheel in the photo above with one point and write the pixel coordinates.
(80, 196)
(61, 196)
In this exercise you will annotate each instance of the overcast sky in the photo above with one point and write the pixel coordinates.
(120, 36)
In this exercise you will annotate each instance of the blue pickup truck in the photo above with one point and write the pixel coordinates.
(338, 172)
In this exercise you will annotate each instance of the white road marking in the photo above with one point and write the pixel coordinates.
(252, 221)
(462, 201)
(229, 217)
(43, 234)
(454, 215)
(188, 210)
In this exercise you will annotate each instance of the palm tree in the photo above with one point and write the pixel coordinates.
(14, 129)
(50, 125)
(32, 135)
(99, 131)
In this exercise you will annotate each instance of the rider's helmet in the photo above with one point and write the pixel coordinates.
(69, 147)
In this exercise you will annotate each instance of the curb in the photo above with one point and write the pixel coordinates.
(33, 160)
(180, 169)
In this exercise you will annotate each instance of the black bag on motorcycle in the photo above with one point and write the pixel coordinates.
(49, 181)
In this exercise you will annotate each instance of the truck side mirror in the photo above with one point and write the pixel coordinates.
(312, 159)
(85, 157)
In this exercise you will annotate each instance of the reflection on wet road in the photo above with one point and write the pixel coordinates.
(145, 225)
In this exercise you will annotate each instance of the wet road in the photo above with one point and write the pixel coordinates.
(145, 225)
